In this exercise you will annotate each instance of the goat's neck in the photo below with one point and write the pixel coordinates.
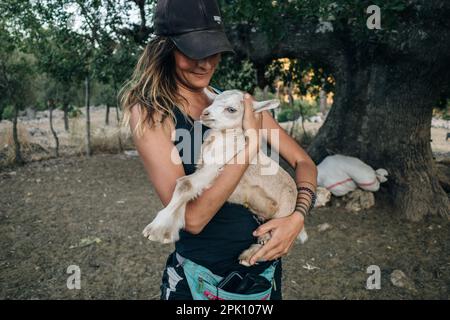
(225, 134)
(222, 145)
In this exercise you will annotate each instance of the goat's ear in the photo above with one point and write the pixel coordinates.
(211, 95)
(259, 106)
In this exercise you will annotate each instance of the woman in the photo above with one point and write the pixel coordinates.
(167, 92)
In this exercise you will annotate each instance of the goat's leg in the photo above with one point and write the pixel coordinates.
(165, 227)
(261, 203)
(244, 257)
(256, 200)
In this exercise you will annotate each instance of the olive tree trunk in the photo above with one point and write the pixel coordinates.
(382, 115)
(18, 159)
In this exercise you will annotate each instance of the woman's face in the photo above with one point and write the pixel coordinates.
(195, 74)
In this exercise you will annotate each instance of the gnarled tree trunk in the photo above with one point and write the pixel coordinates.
(384, 95)
(51, 106)
(382, 115)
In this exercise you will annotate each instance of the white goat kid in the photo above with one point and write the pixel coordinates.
(268, 196)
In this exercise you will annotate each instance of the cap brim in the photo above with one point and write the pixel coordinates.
(201, 44)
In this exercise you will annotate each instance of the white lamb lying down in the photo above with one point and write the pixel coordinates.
(268, 196)
(342, 174)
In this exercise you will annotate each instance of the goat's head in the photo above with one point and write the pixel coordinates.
(227, 110)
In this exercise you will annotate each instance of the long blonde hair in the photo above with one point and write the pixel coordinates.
(153, 86)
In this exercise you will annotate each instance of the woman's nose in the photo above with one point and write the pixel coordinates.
(205, 63)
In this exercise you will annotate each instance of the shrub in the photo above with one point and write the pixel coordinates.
(8, 113)
(74, 112)
(308, 109)
(41, 106)
(287, 115)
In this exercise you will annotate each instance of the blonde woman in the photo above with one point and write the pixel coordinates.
(167, 93)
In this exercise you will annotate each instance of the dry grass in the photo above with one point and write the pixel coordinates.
(6, 138)
(8, 149)
(104, 139)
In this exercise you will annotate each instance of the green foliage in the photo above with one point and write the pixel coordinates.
(308, 77)
(300, 107)
(104, 44)
(306, 108)
(74, 112)
(17, 86)
(232, 74)
(347, 17)
(40, 105)
(446, 115)
(8, 112)
(287, 115)
(258, 94)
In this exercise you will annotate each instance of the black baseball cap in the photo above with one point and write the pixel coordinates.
(195, 26)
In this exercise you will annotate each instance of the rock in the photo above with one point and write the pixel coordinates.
(131, 153)
(323, 197)
(400, 280)
(358, 200)
(86, 242)
(309, 267)
(440, 123)
(316, 119)
(32, 131)
(323, 227)
(30, 113)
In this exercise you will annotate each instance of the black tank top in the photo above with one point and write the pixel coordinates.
(218, 246)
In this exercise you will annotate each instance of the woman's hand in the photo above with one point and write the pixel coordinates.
(252, 121)
(284, 231)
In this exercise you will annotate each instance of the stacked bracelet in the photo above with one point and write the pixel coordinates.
(302, 207)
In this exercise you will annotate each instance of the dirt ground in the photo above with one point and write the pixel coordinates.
(90, 212)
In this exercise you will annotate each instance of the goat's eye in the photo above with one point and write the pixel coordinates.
(231, 109)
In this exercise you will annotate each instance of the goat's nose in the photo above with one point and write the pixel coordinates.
(205, 113)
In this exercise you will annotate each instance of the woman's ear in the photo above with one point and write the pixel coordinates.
(259, 106)
(210, 94)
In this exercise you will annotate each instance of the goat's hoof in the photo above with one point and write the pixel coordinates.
(262, 240)
(160, 234)
(245, 256)
(244, 263)
(163, 229)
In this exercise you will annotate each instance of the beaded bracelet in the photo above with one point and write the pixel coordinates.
(311, 193)
(301, 207)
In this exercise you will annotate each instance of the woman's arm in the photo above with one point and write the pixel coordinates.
(288, 148)
(201, 210)
(155, 148)
(284, 231)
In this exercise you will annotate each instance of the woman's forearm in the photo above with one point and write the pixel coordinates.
(201, 210)
(305, 176)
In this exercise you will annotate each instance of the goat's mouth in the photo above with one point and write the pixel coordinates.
(206, 120)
